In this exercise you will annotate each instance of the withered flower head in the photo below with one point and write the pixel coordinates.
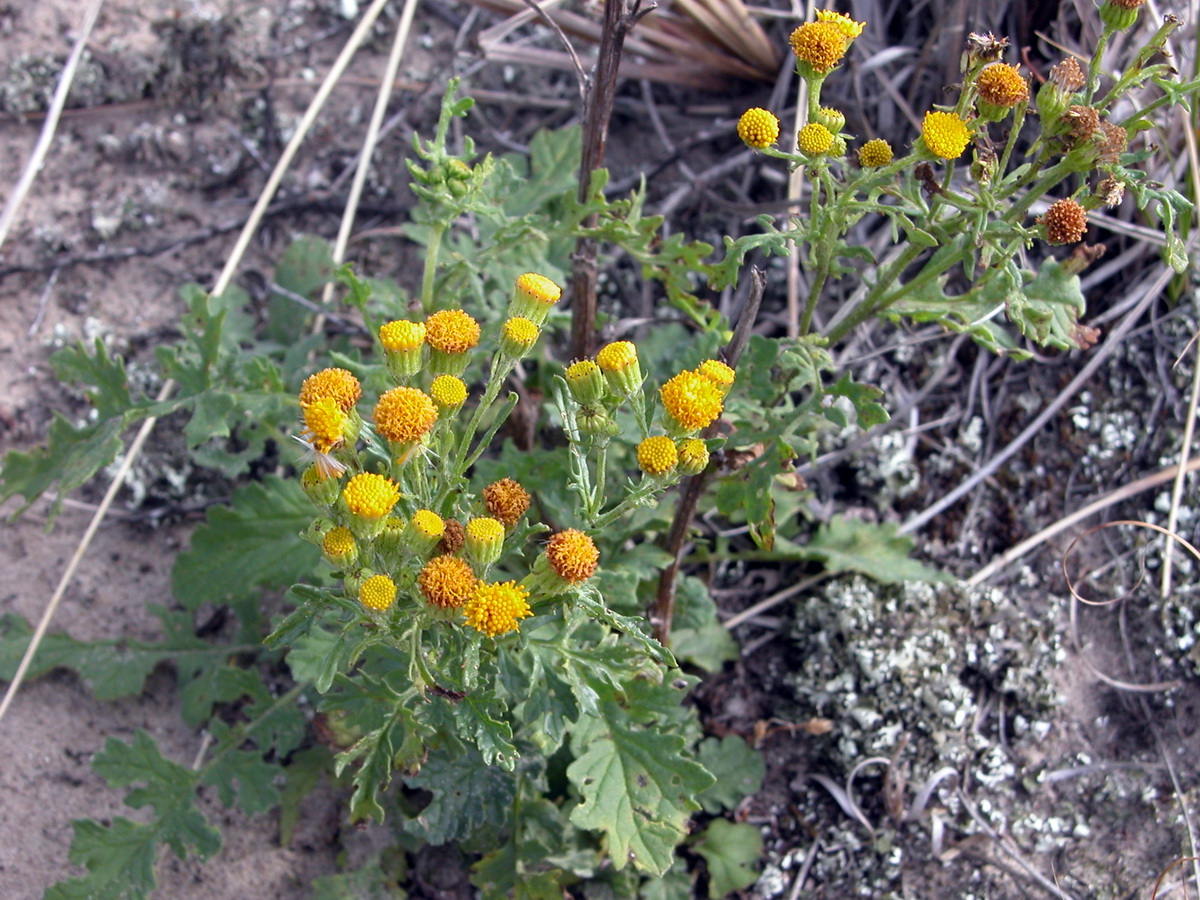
(1067, 75)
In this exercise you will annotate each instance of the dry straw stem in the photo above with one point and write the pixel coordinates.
(1077, 599)
(1122, 493)
(223, 281)
(695, 43)
(50, 125)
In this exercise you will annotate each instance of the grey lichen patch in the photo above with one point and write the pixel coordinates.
(29, 82)
(927, 661)
(1180, 616)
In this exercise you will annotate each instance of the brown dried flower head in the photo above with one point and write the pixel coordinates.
(1065, 222)
(1067, 75)
(1002, 85)
(453, 536)
(1082, 123)
(1114, 139)
(1112, 191)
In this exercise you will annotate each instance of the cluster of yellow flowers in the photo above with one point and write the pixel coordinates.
(991, 91)
(397, 558)
(692, 400)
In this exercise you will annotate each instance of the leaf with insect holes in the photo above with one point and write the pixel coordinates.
(467, 796)
(637, 785)
(738, 767)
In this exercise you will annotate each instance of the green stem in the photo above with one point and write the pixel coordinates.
(244, 732)
(1052, 177)
(865, 308)
(1013, 132)
(1093, 81)
(432, 250)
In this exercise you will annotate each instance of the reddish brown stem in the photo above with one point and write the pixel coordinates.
(598, 106)
(693, 488)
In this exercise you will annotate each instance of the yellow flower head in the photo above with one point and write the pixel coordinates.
(622, 370)
(758, 128)
(539, 288)
(833, 119)
(483, 540)
(814, 139)
(693, 456)
(370, 496)
(617, 356)
(447, 581)
(451, 331)
(324, 424)
(657, 455)
(573, 555)
(845, 24)
(506, 500)
(1065, 221)
(402, 336)
(495, 609)
(428, 524)
(945, 134)
(517, 336)
(532, 297)
(691, 400)
(448, 392)
(405, 414)
(819, 45)
(873, 153)
(338, 384)
(586, 382)
(378, 593)
(339, 546)
(1001, 85)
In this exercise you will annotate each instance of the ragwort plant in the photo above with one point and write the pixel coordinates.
(477, 623)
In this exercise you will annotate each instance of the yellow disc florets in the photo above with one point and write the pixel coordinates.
(1001, 85)
(451, 331)
(506, 501)
(539, 288)
(495, 609)
(428, 524)
(873, 153)
(820, 45)
(657, 455)
(324, 424)
(945, 134)
(378, 593)
(448, 392)
(405, 414)
(814, 139)
(338, 384)
(718, 373)
(370, 496)
(693, 456)
(447, 581)
(338, 545)
(1066, 222)
(758, 128)
(517, 335)
(573, 555)
(402, 336)
(617, 356)
(846, 25)
(691, 400)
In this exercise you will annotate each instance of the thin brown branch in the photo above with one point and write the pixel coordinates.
(597, 112)
(664, 603)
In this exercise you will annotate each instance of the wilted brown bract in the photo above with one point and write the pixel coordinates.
(695, 43)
